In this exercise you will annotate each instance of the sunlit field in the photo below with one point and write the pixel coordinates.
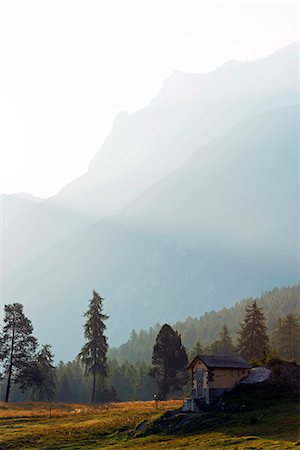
(40, 425)
(75, 426)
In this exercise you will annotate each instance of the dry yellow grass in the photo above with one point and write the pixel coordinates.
(36, 409)
(40, 425)
(76, 426)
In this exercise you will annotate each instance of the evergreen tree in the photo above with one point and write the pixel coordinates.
(93, 353)
(144, 386)
(223, 346)
(170, 361)
(64, 391)
(276, 303)
(276, 336)
(79, 383)
(289, 339)
(108, 395)
(252, 337)
(17, 344)
(39, 375)
(197, 349)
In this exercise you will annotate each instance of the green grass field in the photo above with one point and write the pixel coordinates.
(113, 426)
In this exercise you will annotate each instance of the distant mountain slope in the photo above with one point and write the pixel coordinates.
(13, 206)
(276, 303)
(221, 227)
(190, 110)
(240, 190)
(142, 148)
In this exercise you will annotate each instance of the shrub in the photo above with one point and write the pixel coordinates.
(274, 361)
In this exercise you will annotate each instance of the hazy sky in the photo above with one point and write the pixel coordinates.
(67, 68)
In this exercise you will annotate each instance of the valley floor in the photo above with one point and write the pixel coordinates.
(71, 426)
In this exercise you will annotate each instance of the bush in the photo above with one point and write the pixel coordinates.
(274, 361)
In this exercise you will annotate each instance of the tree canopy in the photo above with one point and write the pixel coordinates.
(169, 361)
(223, 346)
(39, 375)
(206, 329)
(253, 340)
(286, 337)
(93, 353)
(17, 344)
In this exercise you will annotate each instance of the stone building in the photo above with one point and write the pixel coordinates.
(212, 375)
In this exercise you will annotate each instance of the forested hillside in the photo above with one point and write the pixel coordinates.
(276, 303)
(129, 367)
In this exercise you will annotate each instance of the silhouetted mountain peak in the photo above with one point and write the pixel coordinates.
(28, 197)
(182, 84)
(120, 120)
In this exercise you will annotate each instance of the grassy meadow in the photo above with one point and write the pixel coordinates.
(74, 426)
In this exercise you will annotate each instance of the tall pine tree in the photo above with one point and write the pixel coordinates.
(170, 362)
(253, 340)
(17, 344)
(93, 353)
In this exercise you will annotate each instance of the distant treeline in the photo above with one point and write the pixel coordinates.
(128, 367)
(125, 382)
(276, 304)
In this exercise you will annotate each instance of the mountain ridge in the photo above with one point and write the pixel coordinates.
(145, 271)
(15, 206)
(145, 146)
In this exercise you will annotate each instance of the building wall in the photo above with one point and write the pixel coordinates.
(218, 378)
(227, 378)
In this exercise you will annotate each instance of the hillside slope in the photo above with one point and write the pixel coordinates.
(14, 206)
(205, 329)
(189, 111)
(221, 227)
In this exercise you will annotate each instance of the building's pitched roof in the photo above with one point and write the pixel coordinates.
(215, 361)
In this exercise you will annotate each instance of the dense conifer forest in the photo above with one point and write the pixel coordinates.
(276, 303)
(128, 367)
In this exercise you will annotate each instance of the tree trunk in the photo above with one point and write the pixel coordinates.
(94, 387)
(165, 387)
(10, 365)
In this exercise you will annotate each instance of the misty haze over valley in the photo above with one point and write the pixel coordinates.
(190, 205)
